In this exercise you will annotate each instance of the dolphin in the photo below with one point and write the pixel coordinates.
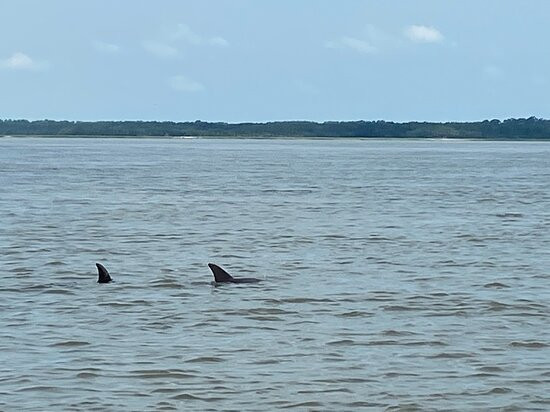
(103, 274)
(221, 276)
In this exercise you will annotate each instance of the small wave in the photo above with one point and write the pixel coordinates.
(398, 374)
(528, 344)
(165, 390)
(70, 343)
(260, 311)
(39, 388)
(497, 285)
(447, 312)
(165, 406)
(22, 271)
(266, 318)
(159, 373)
(377, 238)
(497, 391)
(451, 263)
(266, 362)
(165, 284)
(353, 314)
(310, 404)
(405, 407)
(400, 308)
(344, 380)
(56, 263)
(206, 359)
(186, 396)
(87, 375)
(334, 236)
(451, 355)
(305, 322)
(509, 215)
(306, 300)
(341, 342)
(491, 369)
(531, 381)
(365, 404)
(324, 390)
(497, 306)
(116, 304)
(425, 343)
(382, 342)
(59, 292)
(391, 332)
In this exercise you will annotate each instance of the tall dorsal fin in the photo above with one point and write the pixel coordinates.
(103, 274)
(220, 275)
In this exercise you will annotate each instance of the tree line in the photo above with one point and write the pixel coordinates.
(524, 128)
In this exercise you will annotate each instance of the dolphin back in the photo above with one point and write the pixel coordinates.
(103, 274)
(220, 275)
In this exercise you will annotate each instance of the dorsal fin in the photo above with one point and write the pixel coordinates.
(220, 275)
(103, 274)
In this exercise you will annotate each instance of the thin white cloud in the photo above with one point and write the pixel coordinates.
(184, 33)
(174, 40)
(346, 42)
(218, 41)
(105, 47)
(21, 61)
(183, 83)
(160, 49)
(18, 61)
(423, 34)
(371, 40)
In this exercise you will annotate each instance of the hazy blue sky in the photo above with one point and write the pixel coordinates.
(260, 60)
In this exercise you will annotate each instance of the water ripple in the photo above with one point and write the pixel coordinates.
(398, 275)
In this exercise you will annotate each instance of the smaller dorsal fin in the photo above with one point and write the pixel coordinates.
(220, 275)
(103, 274)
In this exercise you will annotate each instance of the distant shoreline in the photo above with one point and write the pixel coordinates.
(221, 137)
(531, 128)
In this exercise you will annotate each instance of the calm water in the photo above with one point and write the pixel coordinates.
(399, 275)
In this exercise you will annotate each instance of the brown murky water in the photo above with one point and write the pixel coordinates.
(399, 275)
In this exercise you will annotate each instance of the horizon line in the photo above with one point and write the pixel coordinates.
(275, 121)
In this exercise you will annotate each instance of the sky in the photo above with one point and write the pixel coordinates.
(268, 60)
